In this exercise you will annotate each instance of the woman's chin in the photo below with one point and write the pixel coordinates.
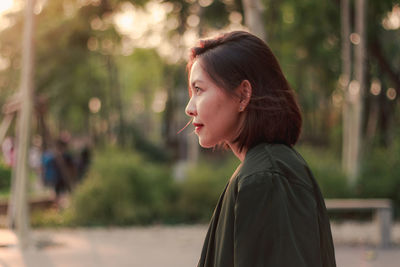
(205, 144)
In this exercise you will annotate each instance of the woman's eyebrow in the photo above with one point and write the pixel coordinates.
(196, 81)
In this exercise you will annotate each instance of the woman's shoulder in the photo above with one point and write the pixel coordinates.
(266, 161)
(262, 158)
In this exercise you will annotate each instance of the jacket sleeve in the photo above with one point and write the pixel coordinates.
(274, 224)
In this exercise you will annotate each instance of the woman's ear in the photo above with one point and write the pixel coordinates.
(244, 91)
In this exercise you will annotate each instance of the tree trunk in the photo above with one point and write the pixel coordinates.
(345, 80)
(253, 17)
(115, 103)
(354, 91)
(357, 95)
(23, 132)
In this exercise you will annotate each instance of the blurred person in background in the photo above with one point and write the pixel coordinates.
(59, 170)
(83, 162)
(271, 212)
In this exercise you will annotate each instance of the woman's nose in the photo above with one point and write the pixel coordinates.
(191, 108)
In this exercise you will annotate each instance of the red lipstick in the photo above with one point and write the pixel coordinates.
(198, 127)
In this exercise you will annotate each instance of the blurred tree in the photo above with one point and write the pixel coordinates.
(305, 36)
(383, 68)
(142, 78)
(253, 17)
(76, 46)
(76, 60)
(81, 55)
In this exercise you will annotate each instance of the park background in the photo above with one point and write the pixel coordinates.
(110, 75)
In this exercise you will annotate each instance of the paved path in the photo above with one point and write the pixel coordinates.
(151, 247)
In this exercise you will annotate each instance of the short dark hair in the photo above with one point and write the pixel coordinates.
(273, 114)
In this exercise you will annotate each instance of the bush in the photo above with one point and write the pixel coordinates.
(327, 171)
(199, 192)
(380, 175)
(122, 189)
(50, 218)
(5, 178)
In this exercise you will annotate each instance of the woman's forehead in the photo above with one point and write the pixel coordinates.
(197, 73)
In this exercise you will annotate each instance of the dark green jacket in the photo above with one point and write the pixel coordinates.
(271, 214)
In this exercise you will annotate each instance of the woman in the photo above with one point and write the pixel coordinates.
(271, 212)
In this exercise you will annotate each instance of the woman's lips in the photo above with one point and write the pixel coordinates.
(198, 127)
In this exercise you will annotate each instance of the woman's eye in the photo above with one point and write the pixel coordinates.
(197, 90)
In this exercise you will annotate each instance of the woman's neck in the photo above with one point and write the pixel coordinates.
(240, 154)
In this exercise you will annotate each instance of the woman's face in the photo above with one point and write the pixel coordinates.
(215, 114)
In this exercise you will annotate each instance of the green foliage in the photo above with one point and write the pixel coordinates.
(121, 189)
(380, 175)
(141, 143)
(327, 171)
(51, 218)
(143, 73)
(216, 15)
(199, 192)
(5, 178)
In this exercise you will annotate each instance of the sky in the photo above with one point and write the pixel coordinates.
(5, 5)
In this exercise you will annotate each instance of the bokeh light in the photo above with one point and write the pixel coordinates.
(94, 104)
(392, 20)
(376, 87)
(355, 38)
(391, 93)
(5, 5)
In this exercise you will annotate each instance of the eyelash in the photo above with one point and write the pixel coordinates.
(197, 89)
